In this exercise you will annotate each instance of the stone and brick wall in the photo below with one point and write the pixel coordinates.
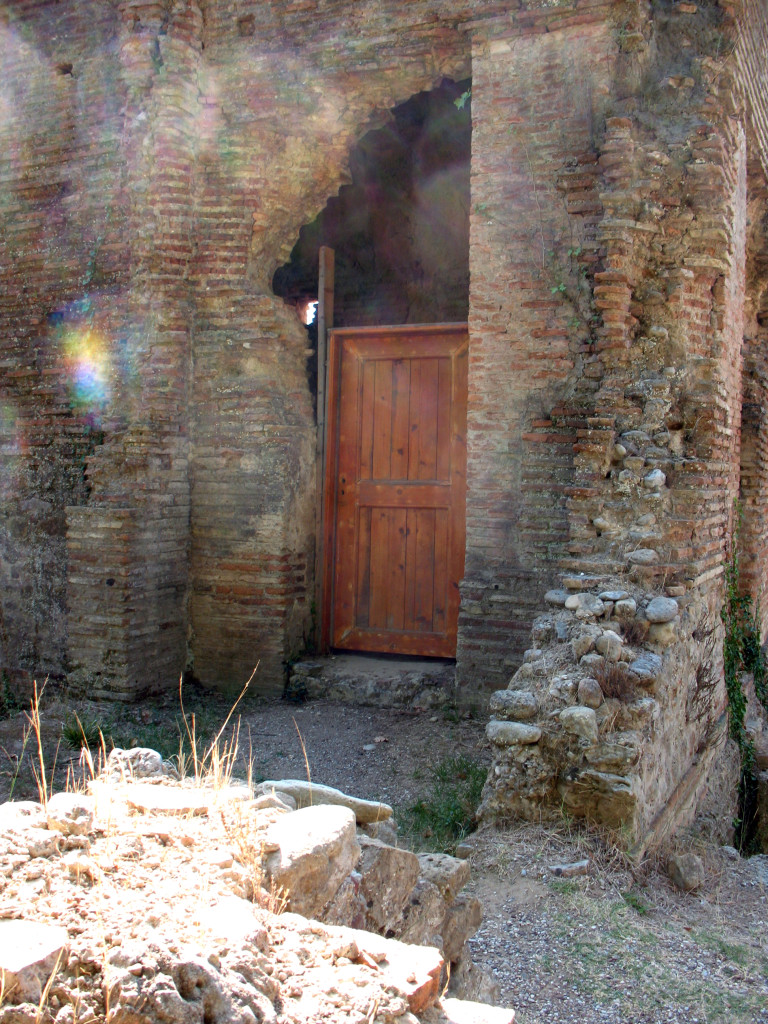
(655, 476)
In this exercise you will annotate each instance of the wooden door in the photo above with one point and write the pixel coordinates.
(396, 488)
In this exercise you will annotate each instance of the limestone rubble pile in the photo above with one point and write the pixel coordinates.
(162, 901)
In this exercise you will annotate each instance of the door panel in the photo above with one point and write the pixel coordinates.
(395, 492)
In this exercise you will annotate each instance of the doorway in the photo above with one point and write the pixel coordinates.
(395, 488)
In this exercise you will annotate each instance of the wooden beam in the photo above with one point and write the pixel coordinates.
(324, 324)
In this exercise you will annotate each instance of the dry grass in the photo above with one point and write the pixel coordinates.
(615, 681)
(635, 632)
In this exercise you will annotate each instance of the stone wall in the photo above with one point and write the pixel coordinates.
(616, 712)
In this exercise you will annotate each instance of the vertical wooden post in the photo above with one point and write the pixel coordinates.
(324, 324)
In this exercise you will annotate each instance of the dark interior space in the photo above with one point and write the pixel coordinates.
(400, 231)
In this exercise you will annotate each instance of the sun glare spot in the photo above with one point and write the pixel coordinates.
(88, 369)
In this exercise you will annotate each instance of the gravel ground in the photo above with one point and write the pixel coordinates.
(613, 946)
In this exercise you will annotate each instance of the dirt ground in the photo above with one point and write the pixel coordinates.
(617, 945)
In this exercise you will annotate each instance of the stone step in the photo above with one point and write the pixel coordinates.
(374, 681)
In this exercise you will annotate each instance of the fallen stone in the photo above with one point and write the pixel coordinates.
(508, 734)
(42, 842)
(448, 873)
(136, 763)
(278, 801)
(385, 830)
(469, 982)
(579, 867)
(21, 814)
(237, 921)
(662, 609)
(423, 916)
(317, 849)
(519, 705)
(81, 867)
(590, 693)
(29, 954)
(686, 871)
(309, 794)
(614, 595)
(581, 722)
(582, 645)
(70, 813)
(348, 907)
(387, 878)
(556, 597)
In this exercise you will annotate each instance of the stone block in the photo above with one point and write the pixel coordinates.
(29, 954)
(590, 693)
(518, 705)
(317, 849)
(686, 871)
(462, 919)
(581, 722)
(448, 873)
(387, 877)
(662, 609)
(509, 734)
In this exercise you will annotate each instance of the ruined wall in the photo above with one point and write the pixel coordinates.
(616, 711)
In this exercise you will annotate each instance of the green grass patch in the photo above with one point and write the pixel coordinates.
(442, 819)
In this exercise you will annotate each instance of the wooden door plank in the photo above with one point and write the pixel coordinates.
(367, 405)
(413, 421)
(346, 490)
(382, 420)
(380, 518)
(399, 494)
(363, 597)
(424, 568)
(396, 582)
(441, 558)
(409, 614)
(401, 393)
(443, 418)
(428, 420)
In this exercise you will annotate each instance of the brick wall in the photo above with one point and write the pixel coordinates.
(528, 257)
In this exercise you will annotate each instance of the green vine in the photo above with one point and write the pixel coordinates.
(742, 652)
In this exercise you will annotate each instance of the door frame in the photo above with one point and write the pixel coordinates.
(327, 540)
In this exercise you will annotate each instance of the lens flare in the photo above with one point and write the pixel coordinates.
(88, 369)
